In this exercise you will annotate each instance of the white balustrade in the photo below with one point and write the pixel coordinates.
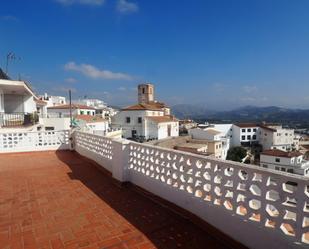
(95, 147)
(34, 141)
(259, 207)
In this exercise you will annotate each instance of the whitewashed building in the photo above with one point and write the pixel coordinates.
(17, 102)
(148, 119)
(93, 124)
(101, 108)
(218, 140)
(245, 134)
(291, 162)
(276, 137)
(64, 110)
(53, 100)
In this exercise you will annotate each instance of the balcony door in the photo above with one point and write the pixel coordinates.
(13, 103)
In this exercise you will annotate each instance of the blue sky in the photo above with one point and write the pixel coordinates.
(219, 53)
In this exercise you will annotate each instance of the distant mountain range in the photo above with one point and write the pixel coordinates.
(243, 114)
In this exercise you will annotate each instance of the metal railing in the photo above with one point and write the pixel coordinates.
(18, 119)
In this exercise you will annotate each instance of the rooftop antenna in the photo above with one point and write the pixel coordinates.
(10, 57)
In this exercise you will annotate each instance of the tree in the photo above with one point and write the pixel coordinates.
(236, 154)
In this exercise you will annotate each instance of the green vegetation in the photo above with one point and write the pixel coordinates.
(236, 154)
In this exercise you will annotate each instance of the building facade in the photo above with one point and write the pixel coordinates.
(53, 100)
(64, 110)
(148, 119)
(291, 162)
(245, 134)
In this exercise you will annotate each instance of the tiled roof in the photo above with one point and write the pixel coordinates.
(153, 106)
(245, 125)
(213, 131)
(162, 119)
(40, 102)
(74, 106)
(280, 153)
(90, 118)
(267, 128)
(305, 146)
(251, 125)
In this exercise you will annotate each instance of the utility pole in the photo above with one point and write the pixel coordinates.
(70, 98)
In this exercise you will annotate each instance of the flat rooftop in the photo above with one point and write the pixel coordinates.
(53, 200)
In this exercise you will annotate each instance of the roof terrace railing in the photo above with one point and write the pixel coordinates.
(16, 119)
(34, 141)
(261, 208)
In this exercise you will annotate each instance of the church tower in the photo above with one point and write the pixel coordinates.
(145, 93)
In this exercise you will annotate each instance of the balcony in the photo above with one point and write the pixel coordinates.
(107, 193)
(18, 119)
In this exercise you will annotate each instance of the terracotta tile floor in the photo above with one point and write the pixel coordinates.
(60, 200)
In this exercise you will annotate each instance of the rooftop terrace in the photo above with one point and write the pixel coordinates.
(115, 193)
(62, 200)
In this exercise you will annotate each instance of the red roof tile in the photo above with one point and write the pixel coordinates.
(280, 153)
(40, 102)
(90, 118)
(74, 106)
(162, 119)
(153, 106)
(244, 125)
(265, 127)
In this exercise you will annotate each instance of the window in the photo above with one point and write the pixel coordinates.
(290, 171)
(283, 169)
(249, 130)
(143, 90)
(277, 168)
(49, 128)
(243, 130)
(277, 160)
(81, 112)
(243, 137)
(254, 137)
(139, 120)
(88, 113)
(265, 166)
(254, 130)
(249, 137)
(128, 120)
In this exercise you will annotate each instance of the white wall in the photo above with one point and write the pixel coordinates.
(57, 123)
(29, 104)
(66, 112)
(295, 164)
(282, 139)
(98, 126)
(163, 129)
(1, 101)
(119, 121)
(145, 166)
(13, 103)
(25, 141)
